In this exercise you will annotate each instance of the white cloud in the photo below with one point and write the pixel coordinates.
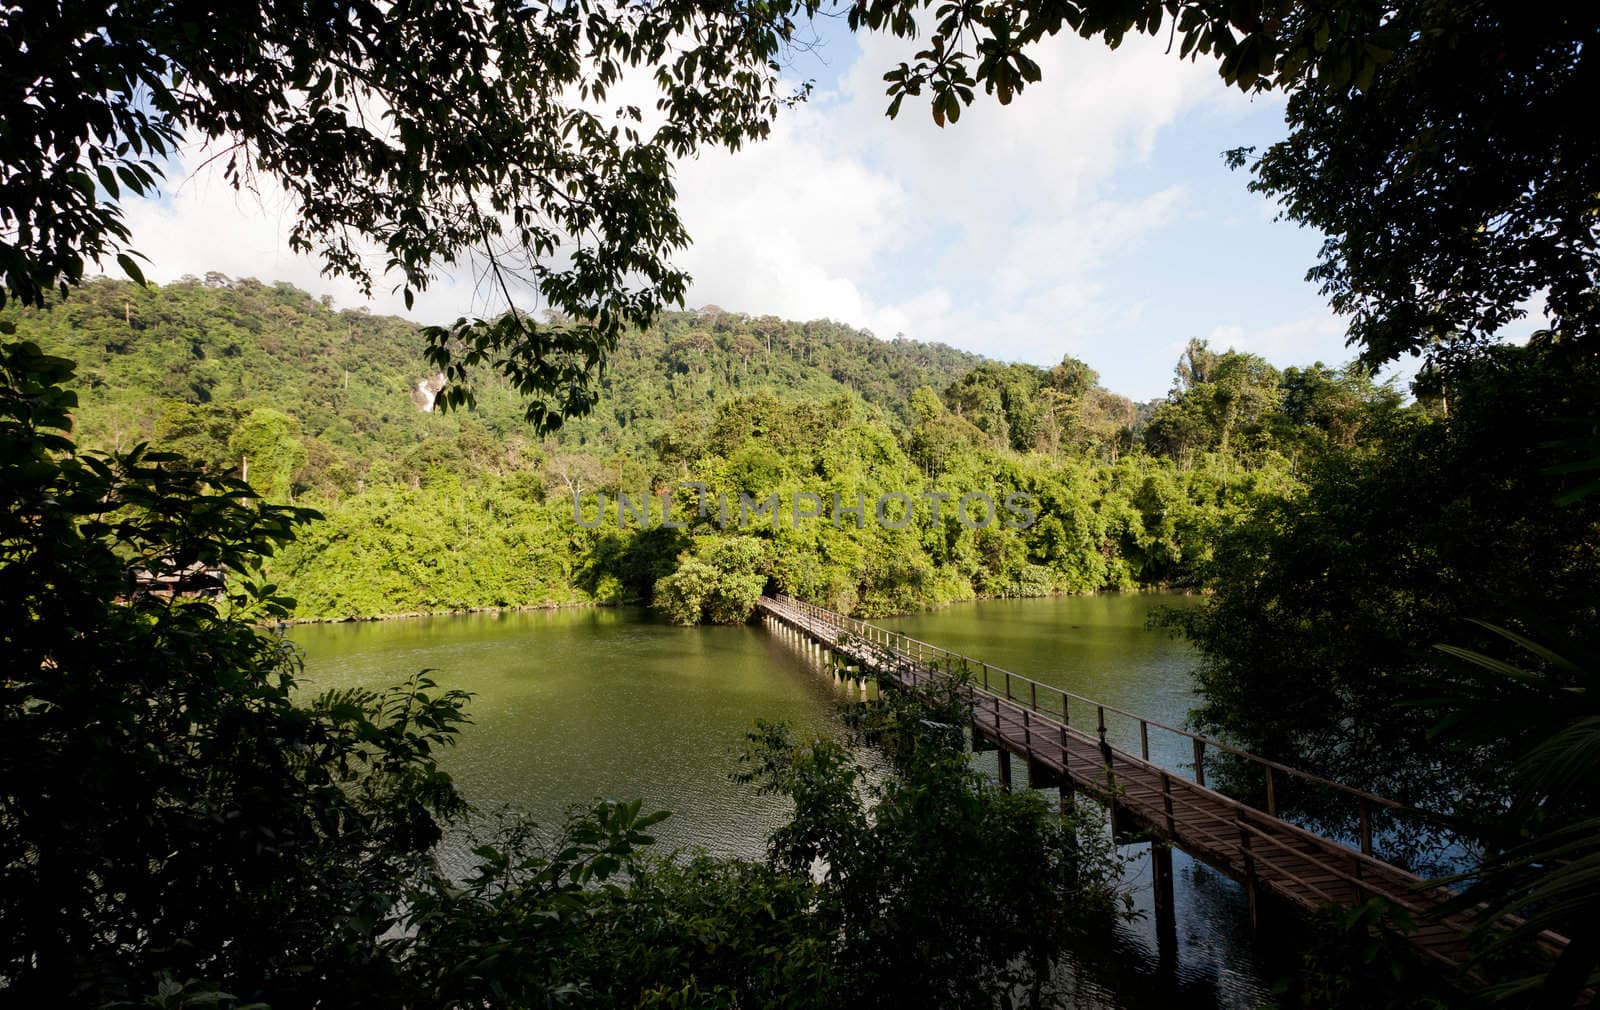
(1004, 233)
(992, 234)
(1306, 340)
(204, 224)
(787, 226)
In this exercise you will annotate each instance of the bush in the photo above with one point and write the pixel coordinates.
(168, 810)
(721, 588)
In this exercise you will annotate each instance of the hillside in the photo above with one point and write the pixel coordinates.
(429, 512)
(183, 365)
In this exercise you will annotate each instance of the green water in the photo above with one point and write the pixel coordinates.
(571, 705)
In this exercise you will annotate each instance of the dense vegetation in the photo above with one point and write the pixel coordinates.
(428, 511)
(225, 833)
(1386, 549)
(248, 844)
(1418, 616)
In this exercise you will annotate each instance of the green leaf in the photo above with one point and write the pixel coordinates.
(1490, 663)
(1543, 652)
(131, 268)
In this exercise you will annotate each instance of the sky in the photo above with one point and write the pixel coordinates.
(1093, 217)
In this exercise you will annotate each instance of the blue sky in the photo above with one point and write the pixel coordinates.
(1093, 217)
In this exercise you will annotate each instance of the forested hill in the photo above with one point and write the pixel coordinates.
(430, 512)
(183, 365)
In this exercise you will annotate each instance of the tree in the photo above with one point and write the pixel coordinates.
(1194, 366)
(1110, 420)
(1349, 581)
(719, 584)
(1002, 400)
(925, 404)
(1072, 378)
(688, 351)
(745, 345)
(198, 433)
(1326, 409)
(1214, 397)
(431, 132)
(168, 806)
(1455, 184)
(1244, 389)
(269, 452)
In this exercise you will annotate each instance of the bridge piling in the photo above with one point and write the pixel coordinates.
(1275, 859)
(1249, 873)
(1165, 904)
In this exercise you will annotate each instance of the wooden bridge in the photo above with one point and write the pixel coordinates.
(1062, 739)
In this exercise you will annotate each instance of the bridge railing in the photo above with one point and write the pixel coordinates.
(1063, 706)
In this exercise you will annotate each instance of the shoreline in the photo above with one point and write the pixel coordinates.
(458, 612)
(585, 604)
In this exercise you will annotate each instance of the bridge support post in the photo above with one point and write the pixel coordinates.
(980, 739)
(1249, 874)
(1005, 768)
(1166, 906)
(1067, 795)
(1041, 775)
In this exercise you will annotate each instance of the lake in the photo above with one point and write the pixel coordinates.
(570, 705)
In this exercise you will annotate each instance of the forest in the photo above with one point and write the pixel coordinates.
(431, 510)
(1400, 588)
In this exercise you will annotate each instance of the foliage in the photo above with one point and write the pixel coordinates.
(1258, 45)
(182, 366)
(430, 512)
(1241, 407)
(516, 929)
(1361, 958)
(426, 133)
(1328, 596)
(719, 585)
(1543, 860)
(698, 931)
(169, 809)
(1062, 409)
(1218, 397)
(940, 888)
(1455, 186)
(448, 545)
(265, 439)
